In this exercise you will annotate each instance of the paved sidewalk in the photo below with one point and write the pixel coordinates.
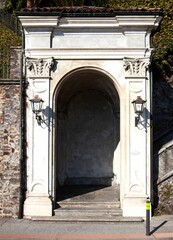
(161, 228)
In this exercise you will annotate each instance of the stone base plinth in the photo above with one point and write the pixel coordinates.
(134, 206)
(38, 206)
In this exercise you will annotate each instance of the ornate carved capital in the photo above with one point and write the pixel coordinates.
(136, 67)
(39, 67)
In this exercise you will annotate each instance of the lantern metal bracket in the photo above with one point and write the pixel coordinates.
(39, 119)
(137, 120)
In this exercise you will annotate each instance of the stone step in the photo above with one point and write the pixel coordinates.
(88, 194)
(82, 215)
(89, 219)
(88, 205)
(90, 210)
(78, 217)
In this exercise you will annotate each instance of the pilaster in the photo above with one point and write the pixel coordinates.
(136, 144)
(38, 202)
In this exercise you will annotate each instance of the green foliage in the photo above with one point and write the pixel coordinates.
(11, 5)
(162, 40)
(8, 38)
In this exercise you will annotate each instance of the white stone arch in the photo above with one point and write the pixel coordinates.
(87, 67)
(113, 84)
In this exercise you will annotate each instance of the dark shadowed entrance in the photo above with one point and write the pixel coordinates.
(87, 133)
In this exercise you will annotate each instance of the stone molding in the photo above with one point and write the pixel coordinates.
(135, 20)
(136, 67)
(39, 67)
(90, 53)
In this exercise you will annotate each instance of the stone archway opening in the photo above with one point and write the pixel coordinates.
(87, 136)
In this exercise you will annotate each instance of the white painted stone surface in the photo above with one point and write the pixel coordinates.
(118, 48)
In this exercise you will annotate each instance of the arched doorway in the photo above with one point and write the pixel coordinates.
(87, 133)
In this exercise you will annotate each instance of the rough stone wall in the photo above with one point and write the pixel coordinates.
(9, 144)
(9, 150)
(162, 146)
(165, 200)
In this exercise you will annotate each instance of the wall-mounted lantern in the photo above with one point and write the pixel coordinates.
(138, 105)
(37, 108)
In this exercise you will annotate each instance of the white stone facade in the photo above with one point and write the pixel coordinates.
(115, 52)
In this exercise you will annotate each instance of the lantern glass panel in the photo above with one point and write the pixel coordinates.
(37, 105)
(139, 107)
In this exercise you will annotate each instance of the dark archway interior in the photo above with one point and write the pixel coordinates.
(87, 130)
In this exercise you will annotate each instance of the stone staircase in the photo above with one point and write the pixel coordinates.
(88, 203)
(88, 212)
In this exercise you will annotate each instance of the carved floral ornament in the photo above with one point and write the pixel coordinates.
(136, 67)
(39, 67)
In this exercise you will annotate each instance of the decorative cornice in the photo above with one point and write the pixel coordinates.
(89, 53)
(136, 67)
(112, 21)
(41, 21)
(39, 67)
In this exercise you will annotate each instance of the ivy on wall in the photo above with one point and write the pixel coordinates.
(7, 39)
(162, 39)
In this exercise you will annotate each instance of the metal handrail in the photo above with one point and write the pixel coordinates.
(10, 21)
(4, 64)
(165, 177)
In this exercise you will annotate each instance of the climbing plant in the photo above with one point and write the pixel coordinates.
(162, 39)
(7, 39)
